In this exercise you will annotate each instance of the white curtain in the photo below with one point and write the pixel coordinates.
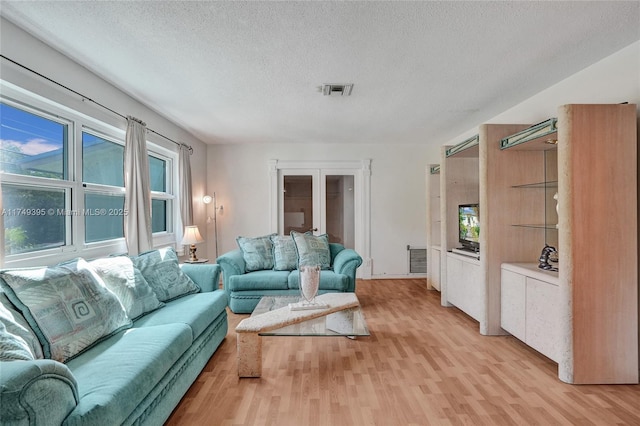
(137, 200)
(184, 177)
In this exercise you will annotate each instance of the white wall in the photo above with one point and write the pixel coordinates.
(23, 48)
(614, 79)
(239, 175)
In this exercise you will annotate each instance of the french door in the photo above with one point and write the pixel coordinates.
(319, 201)
(322, 197)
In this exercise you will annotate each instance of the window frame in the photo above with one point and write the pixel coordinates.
(75, 189)
(171, 177)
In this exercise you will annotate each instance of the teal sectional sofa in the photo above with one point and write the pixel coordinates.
(245, 286)
(136, 374)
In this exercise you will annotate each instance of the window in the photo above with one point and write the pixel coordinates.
(34, 149)
(32, 144)
(103, 183)
(30, 218)
(63, 183)
(161, 198)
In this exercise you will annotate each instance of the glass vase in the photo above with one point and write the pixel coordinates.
(309, 283)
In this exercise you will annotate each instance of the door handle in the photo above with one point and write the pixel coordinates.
(313, 230)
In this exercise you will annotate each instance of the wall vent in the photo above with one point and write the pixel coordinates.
(337, 89)
(417, 258)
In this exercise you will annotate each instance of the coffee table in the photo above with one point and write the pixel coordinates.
(273, 317)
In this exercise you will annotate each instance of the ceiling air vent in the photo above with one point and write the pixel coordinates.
(337, 89)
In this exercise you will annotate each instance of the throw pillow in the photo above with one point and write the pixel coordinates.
(257, 252)
(12, 347)
(128, 284)
(15, 324)
(285, 257)
(312, 249)
(161, 269)
(68, 306)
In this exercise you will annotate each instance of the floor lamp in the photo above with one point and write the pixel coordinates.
(208, 199)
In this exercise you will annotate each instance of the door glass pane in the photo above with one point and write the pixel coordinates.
(298, 203)
(340, 210)
(34, 219)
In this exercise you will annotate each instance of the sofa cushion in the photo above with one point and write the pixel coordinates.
(312, 249)
(15, 324)
(162, 271)
(196, 310)
(128, 284)
(117, 374)
(259, 280)
(12, 347)
(68, 306)
(285, 257)
(329, 280)
(257, 252)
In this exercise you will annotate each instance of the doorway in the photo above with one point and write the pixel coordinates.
(325, 198)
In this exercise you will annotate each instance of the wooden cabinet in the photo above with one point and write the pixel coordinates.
(530, 308)
(465, 281)
(595, 229)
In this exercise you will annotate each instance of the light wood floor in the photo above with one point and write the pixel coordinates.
(422, 365)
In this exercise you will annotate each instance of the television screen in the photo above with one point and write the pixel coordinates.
(469, 226)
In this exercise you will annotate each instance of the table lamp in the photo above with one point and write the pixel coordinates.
(192, 237)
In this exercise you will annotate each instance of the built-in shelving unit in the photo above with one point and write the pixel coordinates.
(461, 281)
(433, 227)
(585, 316)
(569, 182)
(471, 173)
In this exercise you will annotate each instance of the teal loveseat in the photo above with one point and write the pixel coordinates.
(244, 288)
(136, 375)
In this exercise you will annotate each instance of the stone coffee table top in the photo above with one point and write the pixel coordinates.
(283, 317)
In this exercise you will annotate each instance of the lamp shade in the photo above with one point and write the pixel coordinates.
(191, 235)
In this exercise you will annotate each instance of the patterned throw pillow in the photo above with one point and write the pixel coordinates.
(68, 306)
(285, 257)
(162, 271)
(257, 252)
(15, 324)
(312, 249)
(128, 284)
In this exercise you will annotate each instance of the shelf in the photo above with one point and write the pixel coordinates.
(536, 226)
(532, 270)
(551, 184)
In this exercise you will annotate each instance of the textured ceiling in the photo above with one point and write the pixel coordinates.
(248, 72)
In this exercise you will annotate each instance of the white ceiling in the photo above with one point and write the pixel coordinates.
(248, 72)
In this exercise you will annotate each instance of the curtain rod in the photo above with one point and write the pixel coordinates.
(91, 100)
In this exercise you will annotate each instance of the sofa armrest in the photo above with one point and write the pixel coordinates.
(232, 263)
(206, 276)
(36, 392)
(346, 262)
